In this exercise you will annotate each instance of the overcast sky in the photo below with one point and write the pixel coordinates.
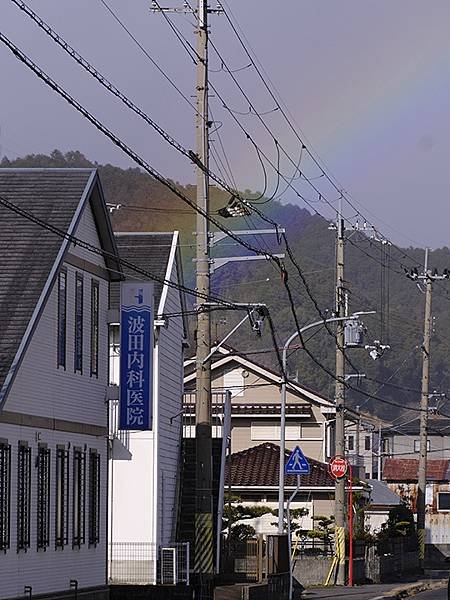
(366, 82)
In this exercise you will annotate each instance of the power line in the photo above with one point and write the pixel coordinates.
(52, 84)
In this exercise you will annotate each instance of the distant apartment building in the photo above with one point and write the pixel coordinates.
(54, 296)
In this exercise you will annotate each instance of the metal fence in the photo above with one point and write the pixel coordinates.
(143, 563)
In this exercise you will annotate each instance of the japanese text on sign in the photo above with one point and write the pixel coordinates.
(136, 328)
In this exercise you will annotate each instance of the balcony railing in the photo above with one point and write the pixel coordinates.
(114, 431)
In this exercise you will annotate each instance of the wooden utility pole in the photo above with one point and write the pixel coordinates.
(339, 503)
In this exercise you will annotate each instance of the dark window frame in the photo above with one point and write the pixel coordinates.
(95, 309)
(23, 496)
(78, 497)
(43, 465)
(62, 497)
(368, 442)
(447, 494)
(417, 446)
(5, 496)
(62, 320)
(94, 498)
(78, 323)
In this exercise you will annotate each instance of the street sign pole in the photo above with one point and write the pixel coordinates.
(288, 517)
(297, 464)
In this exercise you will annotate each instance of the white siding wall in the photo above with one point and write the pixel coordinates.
(170, 405)
(87, 232)
(42, 389)
(143, 489)
(51, 570)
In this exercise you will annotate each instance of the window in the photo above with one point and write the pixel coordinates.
(94, 326)
(114, 354)
(350, 442)
(61, 497)
(367, 442)
(23, 496)
(271, 431)
(234, 381)
(94, 498)
(417, 445)
(443, 500)
(78, 323)
(5, 494)
(62, 320)
(79, 496)
(43, 497)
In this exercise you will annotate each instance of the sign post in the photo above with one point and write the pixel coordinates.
(296, 465)
(136, 352)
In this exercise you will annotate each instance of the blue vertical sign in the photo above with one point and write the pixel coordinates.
(136, 352)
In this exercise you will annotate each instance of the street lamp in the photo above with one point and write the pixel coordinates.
(283, 404)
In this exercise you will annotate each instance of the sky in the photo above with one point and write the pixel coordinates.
(366, 84)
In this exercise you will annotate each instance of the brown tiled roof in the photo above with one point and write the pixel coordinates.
(258, 466)
(406, 469)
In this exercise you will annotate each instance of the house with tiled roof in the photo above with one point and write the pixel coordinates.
(255, 406)
(252, 475)
(58, 256)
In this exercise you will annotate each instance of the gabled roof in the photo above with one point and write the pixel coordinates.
(30, 255)
(259, 467)
(227, 355)
(155, 253)
(406, 469)
(381, 495)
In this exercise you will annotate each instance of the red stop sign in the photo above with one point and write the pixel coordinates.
(337, 467)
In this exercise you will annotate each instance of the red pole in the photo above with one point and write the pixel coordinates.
(350, 523)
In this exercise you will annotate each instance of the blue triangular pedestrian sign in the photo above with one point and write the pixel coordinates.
(297, 463)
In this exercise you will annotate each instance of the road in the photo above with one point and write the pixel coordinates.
(434, 595)
(369, 592)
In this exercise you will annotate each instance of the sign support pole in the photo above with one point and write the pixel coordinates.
(288, 515)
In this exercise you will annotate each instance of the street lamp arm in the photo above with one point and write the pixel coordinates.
(317, 324)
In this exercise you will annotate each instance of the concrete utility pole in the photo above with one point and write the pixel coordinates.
(428, 278)
(339, 503)
(422, 476)
(203, 557)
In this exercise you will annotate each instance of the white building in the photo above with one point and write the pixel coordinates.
(145, 465)
(53, 382)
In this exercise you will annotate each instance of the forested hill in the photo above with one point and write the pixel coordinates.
(374, 278)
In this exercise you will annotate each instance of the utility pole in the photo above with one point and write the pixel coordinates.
(422, 475)
(428, 278)
(357, 438)
(203, 552)
(339, 502)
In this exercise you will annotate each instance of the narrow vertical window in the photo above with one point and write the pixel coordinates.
(43, 497)
(78, 366)
(23, 496)
(79, 496)
(94, 326)
(61, 497)
(5, 495)
(62, 303)
(94, 498)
